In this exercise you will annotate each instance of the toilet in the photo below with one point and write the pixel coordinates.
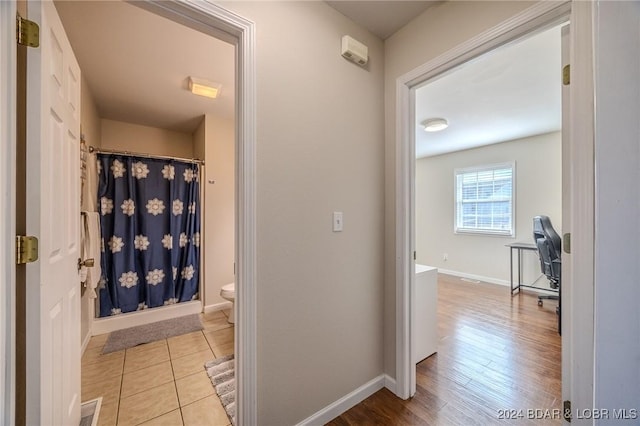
(228, 292)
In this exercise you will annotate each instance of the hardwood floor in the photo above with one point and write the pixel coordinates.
(498, 362)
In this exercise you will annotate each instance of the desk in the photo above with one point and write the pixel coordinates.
(519, 247)
(425, 313)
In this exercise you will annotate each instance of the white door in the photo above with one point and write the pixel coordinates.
(53, 215)
(8, 98)
(566, 276)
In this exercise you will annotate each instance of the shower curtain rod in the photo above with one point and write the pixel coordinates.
(138, 154)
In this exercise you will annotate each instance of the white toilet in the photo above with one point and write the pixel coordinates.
(228, 292)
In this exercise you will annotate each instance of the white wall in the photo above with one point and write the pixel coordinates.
(121, 136)
(90, 117)
(538, 191)
(319, 150)
(617, 219)
(214, 141)
(437, 30)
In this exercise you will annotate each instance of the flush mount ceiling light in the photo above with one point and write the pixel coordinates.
(202, 87)
(435, 124)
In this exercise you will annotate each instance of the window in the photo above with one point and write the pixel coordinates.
(484, 199)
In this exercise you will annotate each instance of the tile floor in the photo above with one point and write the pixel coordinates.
(159, 383)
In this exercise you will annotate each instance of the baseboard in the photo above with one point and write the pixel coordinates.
(85, 342)
(390, 383)
(475, 277)
(333, 410)
(540, 290)
(217, 307)
(132, 319)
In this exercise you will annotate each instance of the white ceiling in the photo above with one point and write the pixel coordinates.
(382, 18)
(509, 93)
(136, 64)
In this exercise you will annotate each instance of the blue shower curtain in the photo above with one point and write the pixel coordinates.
(150, 224)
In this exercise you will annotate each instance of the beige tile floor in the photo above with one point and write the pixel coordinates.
(159, 383)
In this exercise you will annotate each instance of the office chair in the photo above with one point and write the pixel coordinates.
(549, 248)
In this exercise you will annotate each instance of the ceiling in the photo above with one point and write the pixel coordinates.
(510, 93)
(138, 74)
(137, 63)
(382, 18)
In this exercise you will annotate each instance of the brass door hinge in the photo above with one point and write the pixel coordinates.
(566, 242)
(27, 32)
(566, 75)
(26, 249)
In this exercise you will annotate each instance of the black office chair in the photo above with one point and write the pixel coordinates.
(549, 248)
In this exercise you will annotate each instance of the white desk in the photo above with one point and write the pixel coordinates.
(425, 312)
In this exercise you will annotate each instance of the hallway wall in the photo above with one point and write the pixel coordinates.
(319, 150)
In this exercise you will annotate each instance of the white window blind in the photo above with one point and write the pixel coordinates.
(484, 199)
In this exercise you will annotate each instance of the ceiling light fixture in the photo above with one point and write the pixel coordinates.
(435, 124)
(201, 87)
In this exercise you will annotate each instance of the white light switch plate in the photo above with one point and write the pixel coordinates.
(337, 221)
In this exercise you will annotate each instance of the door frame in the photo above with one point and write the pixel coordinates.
(577, 320)
(8, 79)
(223, 24)
(228, 26)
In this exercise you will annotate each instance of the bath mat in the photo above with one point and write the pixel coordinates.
(221, 371)
(134, 336)
(90, 411)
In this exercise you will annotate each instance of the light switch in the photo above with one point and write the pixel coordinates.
(337, 221)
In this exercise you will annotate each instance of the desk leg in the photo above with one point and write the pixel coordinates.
(519, 268)
(511, 269)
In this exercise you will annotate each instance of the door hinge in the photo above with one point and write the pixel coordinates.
(415, 256)
(26, 249)
(566, 411)
(27, 32)
(566, 75)
(566, 242)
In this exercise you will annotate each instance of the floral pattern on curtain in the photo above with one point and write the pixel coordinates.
(150, 225)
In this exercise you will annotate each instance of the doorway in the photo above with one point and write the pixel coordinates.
(479, 184)
(535, 18)
(217, 21)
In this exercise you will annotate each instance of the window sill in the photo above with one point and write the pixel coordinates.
(484, 233)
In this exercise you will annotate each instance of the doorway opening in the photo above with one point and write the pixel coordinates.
(218, 22)
(478, 186)
(477, 190)
(531, 21)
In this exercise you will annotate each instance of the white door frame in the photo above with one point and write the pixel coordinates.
(226, 25)
(8, 74)
(577, 318)
(223, 24)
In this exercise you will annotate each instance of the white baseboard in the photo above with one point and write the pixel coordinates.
(333, 410)
(475, 277)
(218, 307)
(85, 342)
(132, 319)
(490, 280)
(390, 383)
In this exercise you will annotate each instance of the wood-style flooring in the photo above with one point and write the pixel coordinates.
(498, 362)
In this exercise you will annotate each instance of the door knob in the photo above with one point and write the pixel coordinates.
(86, 263)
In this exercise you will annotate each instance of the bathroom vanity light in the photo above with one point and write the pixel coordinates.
(435, 124)
(201, 87)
